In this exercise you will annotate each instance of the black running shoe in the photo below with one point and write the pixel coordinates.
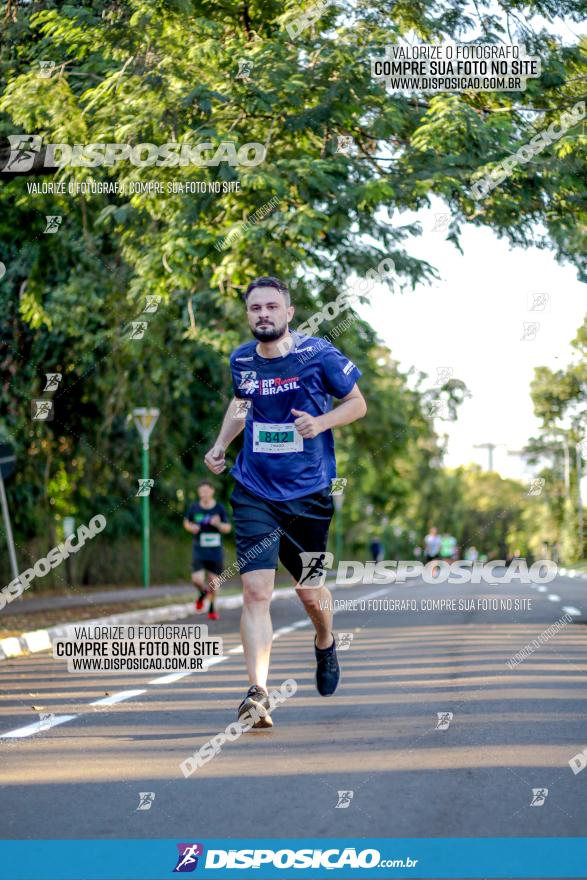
(256, 704)
(327, 669)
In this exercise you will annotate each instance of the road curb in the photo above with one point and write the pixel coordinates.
(42, 639)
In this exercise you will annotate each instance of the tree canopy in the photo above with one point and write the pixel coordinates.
(197, 72)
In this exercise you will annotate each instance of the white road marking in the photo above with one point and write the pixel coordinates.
(38, 727)
(542, 590)
(117, 698)
(570, 609)
(214, 660)
(552, 597)
(169, 679)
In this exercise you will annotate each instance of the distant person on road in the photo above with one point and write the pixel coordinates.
(471, 553)
(376, 548)
(207, 521)
(282, 499)
(432, 545)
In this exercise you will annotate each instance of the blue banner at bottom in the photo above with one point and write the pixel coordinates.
(273, 859)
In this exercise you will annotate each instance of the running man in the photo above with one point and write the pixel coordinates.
(432, 545)
(376, 547)
(207, 521)
(281, 501)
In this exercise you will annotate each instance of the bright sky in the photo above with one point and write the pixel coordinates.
(472, 321)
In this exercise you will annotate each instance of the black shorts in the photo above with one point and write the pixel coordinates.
(303, 525)
(214, 566)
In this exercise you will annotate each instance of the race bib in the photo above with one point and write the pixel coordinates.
(209, 539)
(275, 439)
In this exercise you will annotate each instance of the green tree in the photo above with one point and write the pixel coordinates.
(145, 72)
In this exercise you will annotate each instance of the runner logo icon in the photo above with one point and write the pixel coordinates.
(23, 149)
(444, 719)
(187, 859)
(344, 641)
(344, 800)
(539, 795)
(314, 568)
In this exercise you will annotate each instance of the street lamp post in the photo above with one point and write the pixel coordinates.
(579, 498)
(7, 461)
(338, 527)
(145, 419)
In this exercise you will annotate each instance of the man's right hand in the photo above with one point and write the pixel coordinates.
(214, 459)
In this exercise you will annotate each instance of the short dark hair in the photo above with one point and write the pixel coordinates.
(268, 281)
(206, 483)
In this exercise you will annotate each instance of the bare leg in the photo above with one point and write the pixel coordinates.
(318, 604)
(213, 585)
(256, 628)
(198, 580)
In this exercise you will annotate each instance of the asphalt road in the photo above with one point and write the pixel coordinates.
(512, 731)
